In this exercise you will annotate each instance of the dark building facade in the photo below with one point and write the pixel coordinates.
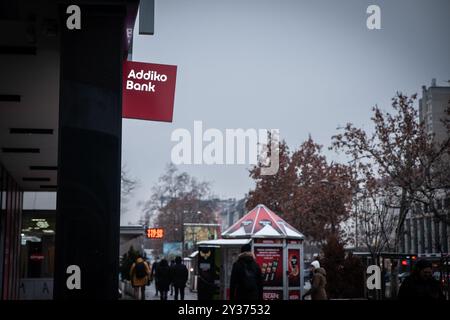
(60, 130)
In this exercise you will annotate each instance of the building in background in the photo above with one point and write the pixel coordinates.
(425, 234)
(229, 211)
(433, 107)
(132, 236)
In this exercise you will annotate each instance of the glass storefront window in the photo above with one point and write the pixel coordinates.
(10, 221)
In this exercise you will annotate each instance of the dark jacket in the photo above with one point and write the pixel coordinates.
(243, 287)
(318, 284)
(163, 278)
(179, 275)
(205, 286)
(415, 288)
(153, 272)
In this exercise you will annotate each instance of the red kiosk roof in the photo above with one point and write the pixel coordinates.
(261, 222)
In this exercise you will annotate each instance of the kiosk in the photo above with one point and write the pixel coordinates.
(278, 249)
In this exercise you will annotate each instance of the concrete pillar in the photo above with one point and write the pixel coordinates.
(420, 248)
(89, 158)
(425, 234)
(408, 235)
(433, 238)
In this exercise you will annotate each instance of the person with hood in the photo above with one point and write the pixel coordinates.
(139, 275)
(421, 285)
(246, 281)
(318, 282)
(163, 279)
(179, 276)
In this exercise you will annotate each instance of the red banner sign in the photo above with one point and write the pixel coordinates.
(148, 91)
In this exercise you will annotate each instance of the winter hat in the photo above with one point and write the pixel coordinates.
(246, 247)
(315, 264)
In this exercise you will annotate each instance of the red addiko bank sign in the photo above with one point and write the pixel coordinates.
(148, 91)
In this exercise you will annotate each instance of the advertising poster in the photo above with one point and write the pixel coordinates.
(172, 249)
(271, 262)
(194, 233)
(294, 267)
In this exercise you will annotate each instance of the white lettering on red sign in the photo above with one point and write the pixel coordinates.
(151, 76)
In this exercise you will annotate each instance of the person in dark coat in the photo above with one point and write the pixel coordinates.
(172, 263)
(163, 278)
(246, 281)
(205, 286)
(421, 285)
(179, 276)
(153, 275)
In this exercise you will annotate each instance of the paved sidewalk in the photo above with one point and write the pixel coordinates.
(150, 294)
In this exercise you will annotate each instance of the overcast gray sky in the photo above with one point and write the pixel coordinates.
(304, 67)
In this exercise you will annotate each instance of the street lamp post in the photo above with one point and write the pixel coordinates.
(333, 186)
(182, 232)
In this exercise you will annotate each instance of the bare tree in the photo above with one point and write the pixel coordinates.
(128, 186)
(178, 198)
(401, 153)
(377, 219)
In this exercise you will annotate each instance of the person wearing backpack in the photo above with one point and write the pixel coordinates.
(246, 281)
(139, 275)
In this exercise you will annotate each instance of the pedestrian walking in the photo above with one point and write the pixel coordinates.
(163, 278)
(421, 285)
(318, 282)
(246, 281)
(139, 275)
(179, 276)
(153, 275)
(172, 263)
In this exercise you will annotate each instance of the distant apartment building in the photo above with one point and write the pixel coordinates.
(432, 109)
(230, 211)
(423, 232)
